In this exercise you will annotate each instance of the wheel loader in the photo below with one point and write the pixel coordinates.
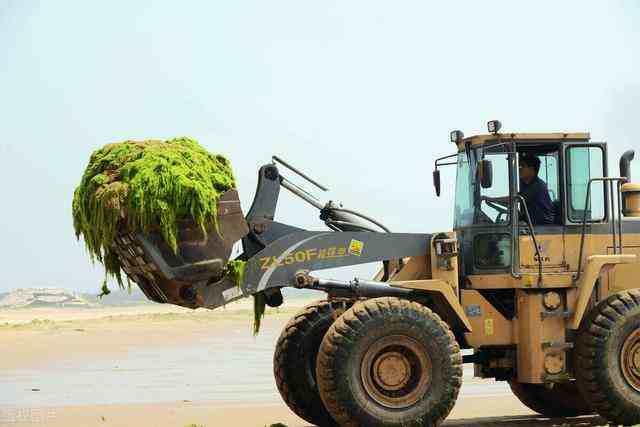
(553, 308)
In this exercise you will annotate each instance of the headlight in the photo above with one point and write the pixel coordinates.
(494, 126)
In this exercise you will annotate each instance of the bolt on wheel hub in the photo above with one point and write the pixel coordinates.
(391, 371)
(396, 371)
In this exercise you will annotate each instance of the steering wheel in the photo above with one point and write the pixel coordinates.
(502, 210)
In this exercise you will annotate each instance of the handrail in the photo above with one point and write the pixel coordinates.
(617, 243)
(515, 274)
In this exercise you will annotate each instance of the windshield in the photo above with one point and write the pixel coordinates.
(465, 183)
(477, 205)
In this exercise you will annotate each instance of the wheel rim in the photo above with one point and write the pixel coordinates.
(396, 371)
(630, 359)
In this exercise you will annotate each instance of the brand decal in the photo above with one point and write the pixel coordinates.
(306, 255)
(356, 247)
(543, 248)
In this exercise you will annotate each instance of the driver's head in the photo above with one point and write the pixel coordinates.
(529, 167)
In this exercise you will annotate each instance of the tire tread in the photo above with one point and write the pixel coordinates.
(347, 326)
(293, 333)
(591, 357)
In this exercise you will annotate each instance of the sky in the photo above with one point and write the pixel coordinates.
(361, 95)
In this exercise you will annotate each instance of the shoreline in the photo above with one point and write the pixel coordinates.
(469, 412)
(176, 367)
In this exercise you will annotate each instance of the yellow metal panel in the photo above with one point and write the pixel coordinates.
(414, 268)
(530, 357)
(442, 288)
(449, 274)
(552, 252)
(481, 139)
(572, 248)
(489, 326)
(625, 276)
(537, 337)
(631, 197)
(596, 266)
(529, 280)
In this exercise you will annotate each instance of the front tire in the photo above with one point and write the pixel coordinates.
(294, 360)
(389, 361)
(607, 360)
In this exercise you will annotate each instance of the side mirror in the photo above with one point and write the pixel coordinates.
(485, 173)
(436, 181)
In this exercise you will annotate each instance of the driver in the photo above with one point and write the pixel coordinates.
(534, 191)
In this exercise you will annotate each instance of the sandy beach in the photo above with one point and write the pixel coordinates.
(167, 366)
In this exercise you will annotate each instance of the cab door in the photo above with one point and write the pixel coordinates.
(490, 238)
(549, 237)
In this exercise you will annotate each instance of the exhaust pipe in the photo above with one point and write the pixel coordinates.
(625, 164)
(630, 192)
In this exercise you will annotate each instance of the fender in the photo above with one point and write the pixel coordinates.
(440, 288)
(596, 266)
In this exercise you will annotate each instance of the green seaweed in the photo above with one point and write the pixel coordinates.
(149, 186)
(259, 308)
(235, 270)
(104, 291)
(144, 186)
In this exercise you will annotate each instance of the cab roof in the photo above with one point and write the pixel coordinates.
(552, 137)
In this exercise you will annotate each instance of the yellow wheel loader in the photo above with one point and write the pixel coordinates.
(549, 303)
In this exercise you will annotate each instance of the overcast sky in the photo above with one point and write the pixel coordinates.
(360, 94)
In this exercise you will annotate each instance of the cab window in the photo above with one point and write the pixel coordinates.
(584, 164)
(549, 173)
(491, 212)
(492, 251)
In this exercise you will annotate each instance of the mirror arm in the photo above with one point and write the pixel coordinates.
(436, 172)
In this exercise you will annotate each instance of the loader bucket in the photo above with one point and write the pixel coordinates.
(167, 277)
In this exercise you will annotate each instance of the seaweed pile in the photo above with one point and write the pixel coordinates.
(146, 185)
(149, 186)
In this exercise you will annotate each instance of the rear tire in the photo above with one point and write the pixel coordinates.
(294, 360)
(388, 361)
(563, 400)
(607, 358)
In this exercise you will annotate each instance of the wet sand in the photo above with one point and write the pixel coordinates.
(166, 366)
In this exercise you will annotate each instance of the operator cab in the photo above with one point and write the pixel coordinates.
(541, 180)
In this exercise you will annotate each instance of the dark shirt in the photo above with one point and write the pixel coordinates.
(536, 196)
